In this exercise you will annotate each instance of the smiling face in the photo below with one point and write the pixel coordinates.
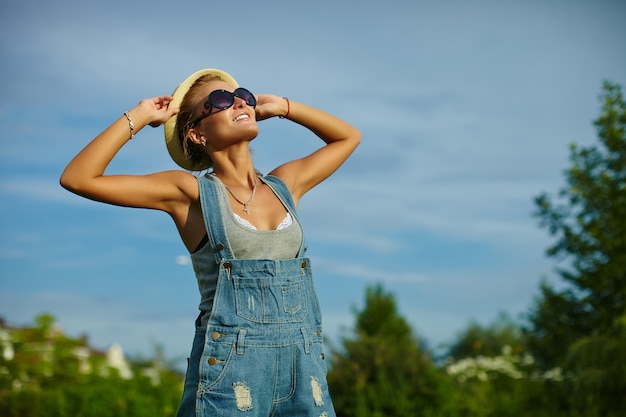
(222, 127)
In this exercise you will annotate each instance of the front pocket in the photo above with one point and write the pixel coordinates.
(215, 361)
(271, 300)
(292, 301)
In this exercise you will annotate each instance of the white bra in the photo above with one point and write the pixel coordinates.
(287, 221)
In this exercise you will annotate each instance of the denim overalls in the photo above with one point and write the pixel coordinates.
(259, 351)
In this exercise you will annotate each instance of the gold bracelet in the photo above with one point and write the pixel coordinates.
(131, 126)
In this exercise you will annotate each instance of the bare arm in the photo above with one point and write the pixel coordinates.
(84, 175)
(340, 137)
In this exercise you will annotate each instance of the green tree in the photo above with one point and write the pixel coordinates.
(598, 364)
(495, 375)
(488, 340)
(382, 371)
(588, 220)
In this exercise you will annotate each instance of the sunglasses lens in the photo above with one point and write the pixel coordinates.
(246, 96)
(221, 99)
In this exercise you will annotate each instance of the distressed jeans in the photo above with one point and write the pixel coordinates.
(271, 362)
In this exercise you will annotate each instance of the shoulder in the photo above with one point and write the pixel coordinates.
(289, 175)
(286, 174)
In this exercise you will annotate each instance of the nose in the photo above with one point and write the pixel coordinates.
(239, 102)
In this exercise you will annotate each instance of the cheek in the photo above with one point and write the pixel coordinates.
(214, 126)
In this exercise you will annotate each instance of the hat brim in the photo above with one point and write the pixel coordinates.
(173, 143)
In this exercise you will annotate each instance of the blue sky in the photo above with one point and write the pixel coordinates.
(467, 109)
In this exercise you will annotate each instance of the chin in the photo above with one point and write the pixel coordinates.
(253, 133)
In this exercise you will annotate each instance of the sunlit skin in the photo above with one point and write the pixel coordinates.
(227, 134)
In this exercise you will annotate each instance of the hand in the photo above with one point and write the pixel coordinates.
(269, 105)
(156, 110)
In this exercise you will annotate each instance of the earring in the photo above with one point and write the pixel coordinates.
(203, 142)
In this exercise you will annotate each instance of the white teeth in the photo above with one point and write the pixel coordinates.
(241, 117)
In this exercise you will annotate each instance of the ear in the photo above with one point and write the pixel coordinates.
(196, 136)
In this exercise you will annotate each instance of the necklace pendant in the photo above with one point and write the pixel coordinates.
(245, 205)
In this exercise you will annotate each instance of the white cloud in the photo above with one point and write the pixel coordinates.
(366, 273)
(183, 260)
(43, 189)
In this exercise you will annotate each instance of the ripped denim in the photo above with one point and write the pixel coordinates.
(270, 362)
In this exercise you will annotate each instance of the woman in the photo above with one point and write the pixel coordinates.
(258, 344)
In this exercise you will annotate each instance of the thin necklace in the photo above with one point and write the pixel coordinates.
(245, 205)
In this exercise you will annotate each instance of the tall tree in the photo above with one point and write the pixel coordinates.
(382, 371)
(588, 220)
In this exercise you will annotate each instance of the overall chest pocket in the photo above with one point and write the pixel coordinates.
(271, 299)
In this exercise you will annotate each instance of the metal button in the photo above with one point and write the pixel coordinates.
(219, 246)
(215, 335)
(303, 264)
(226, 264)
(213, 361)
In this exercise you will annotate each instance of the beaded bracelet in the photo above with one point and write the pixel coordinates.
(131, 126)
(288, 109)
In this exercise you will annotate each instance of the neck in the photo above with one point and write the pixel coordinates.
(235, 167)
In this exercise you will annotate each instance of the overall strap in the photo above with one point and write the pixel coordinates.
(210, 202)
(284, 195)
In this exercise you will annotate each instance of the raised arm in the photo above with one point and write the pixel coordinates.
(340, 137)
(84, 175)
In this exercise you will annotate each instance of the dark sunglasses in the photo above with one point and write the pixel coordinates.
(223, 99)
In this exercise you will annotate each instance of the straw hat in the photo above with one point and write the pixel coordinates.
(173, 142)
